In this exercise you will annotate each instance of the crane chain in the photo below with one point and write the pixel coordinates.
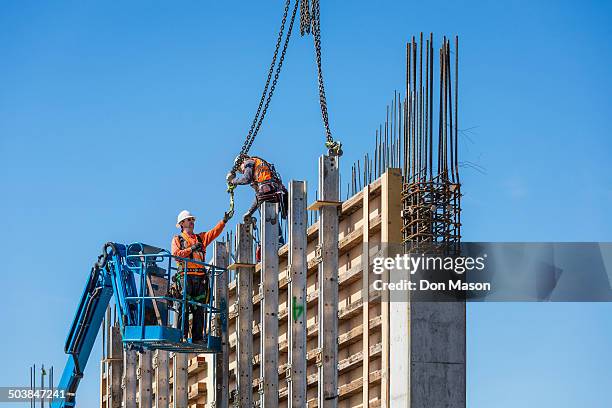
(305, 19)
(276, 75)
(311, 23)
(266, 96)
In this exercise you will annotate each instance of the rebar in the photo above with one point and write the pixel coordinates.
(429, 165)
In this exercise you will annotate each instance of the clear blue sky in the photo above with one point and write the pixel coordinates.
(114, 116)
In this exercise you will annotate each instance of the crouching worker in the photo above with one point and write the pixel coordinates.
(193, 246)
(264, 179)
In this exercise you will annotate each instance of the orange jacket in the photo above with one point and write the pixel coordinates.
(192, 239)
(261, 172)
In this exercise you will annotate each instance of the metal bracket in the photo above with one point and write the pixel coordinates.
(288, 274)
(235, 395)
(260, 386)
(288, 372)
(319, 356)
(319, 253)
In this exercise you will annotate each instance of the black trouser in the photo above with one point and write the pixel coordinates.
(197, 286)
(265, 192)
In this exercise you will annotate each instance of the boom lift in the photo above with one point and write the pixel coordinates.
(139, 276)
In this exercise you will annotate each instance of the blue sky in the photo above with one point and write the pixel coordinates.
(115, 116)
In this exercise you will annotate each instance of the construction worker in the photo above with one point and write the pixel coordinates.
(190, 245)
(264, 179)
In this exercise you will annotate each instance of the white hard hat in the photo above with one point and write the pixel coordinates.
(183, 215)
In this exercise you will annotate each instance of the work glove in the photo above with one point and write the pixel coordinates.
(227, 216)
(196, 247)
(229, 177)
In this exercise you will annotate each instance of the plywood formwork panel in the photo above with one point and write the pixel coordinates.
(350, 308)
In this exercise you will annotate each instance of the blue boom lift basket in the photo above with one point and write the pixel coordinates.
(140, 277)
(143, 277)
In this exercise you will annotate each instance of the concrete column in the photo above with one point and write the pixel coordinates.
(437, 355)
(130, 362)
(145, 379)
(244, 344)
(179, 382)
(162, 373)
(329, 191)
(399, 347)
(426, 339)
(221, 361)
(298, 222)
(269, 304)
(115, 369)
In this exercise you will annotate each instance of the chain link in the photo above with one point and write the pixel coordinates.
(304, 17)
(276, 75)
(267, 96)
(311, 22)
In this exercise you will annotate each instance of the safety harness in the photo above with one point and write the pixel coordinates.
(265, 172)
(181, 265)
(200, 271)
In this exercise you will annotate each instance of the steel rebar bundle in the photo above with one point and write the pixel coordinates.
(431, 196)
(424, 146)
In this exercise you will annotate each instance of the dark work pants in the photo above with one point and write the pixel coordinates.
(263, 190)
(196, 287)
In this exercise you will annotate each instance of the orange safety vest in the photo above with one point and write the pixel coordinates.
(192, 268)
(262, 171)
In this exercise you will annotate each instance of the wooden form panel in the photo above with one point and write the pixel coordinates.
(350, 307)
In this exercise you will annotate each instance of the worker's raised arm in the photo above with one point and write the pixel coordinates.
(247, 176)
(209, 236)
(176, 248)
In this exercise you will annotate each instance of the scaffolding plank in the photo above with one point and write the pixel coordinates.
(317, 205)
(298, 221)
(328, 283)
(237, 265)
